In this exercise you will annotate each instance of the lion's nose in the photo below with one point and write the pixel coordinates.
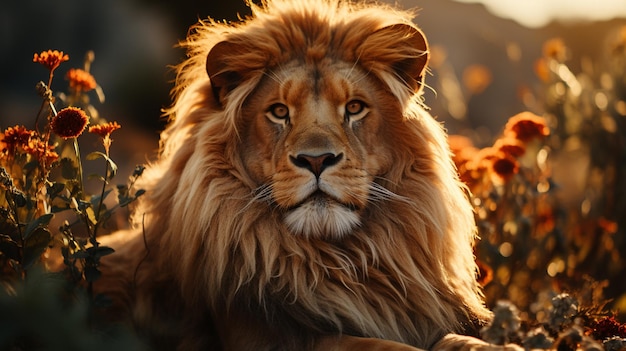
(316, 164)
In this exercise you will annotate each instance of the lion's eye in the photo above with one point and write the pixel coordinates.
(354, 107)
(355, 110)
(278, 113)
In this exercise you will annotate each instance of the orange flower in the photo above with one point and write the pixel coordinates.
(545, 218)
(475, 165)
(14, 137)
(459, 142)
(50, 59)
(542, 69)
(485, 273)
(485, 156)
(477, 78)
(607, 225)
(555, 49)
(526, 126)
(510, 146)
(70, 122)
(620, 43)
(80, 80)
(462, 149)
(104, 130)
(43, 152)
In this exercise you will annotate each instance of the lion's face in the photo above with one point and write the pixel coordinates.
(315, 140)
(313, 112)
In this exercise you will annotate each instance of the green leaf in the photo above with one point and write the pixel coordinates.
(82, 204)
(101, 251)
(55, 189)
(30, 166)
(105, 215)
(73, 186)
(19, 199)
(59, 204)
(81, 254)
(122, 194)
(68, 170)
(91, 215)
(9, 248)
(33, 225)
(92, 274)
(138, 170)
(96, 155)
(113, 170)
(95, 200)
(35, 246)
(95, 176)
(125, 201)
(122, 190)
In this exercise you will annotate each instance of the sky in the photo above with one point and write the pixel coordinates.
(537, 13)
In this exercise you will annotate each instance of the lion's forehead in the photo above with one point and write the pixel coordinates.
(334, 82)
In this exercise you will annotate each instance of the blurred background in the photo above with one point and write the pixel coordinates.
(134, 41)
(484, 69)
(134, 45)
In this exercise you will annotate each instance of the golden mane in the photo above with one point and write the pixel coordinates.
(406, 273)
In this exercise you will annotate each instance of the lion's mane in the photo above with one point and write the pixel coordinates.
(405, 273)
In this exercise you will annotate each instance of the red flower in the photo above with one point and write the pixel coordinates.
(504, 167)
(50, 59)
(69, 122)
(608, 327)
(526, 126)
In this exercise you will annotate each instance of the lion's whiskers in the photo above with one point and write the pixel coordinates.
(379, 193)
(262, 193)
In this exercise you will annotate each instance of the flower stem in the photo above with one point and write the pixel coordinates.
(46, 94)
(80, 167)
(101, 201)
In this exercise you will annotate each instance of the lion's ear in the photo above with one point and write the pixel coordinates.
(220, 68)
(400, 46)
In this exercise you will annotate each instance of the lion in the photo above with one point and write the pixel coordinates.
(303, 197)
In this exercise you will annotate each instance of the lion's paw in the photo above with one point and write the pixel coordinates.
(353, 343)
(455, 342)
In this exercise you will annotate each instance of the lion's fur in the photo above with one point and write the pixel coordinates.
(405, 273)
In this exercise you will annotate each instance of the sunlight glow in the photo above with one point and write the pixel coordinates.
(537, 13)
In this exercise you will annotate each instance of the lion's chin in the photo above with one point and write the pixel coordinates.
(322, 218)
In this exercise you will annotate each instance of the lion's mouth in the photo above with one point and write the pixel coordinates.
(323, 216)
(320, 199)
